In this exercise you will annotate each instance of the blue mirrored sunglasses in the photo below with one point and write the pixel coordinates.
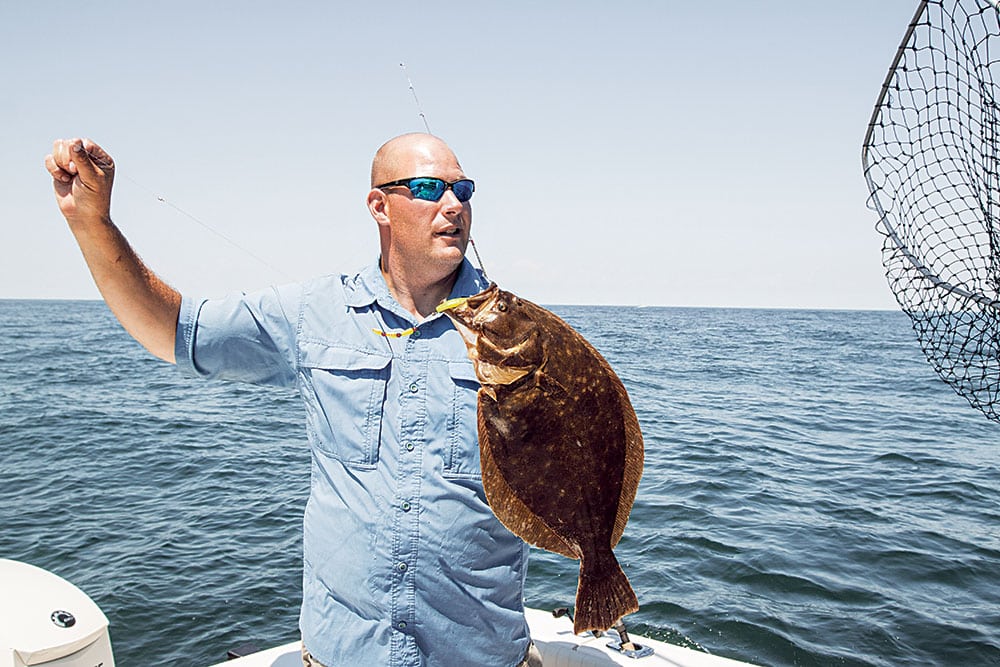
(432, 189)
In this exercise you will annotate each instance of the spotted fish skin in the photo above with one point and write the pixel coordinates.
(560, 446)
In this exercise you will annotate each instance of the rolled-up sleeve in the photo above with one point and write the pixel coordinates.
(243, 337)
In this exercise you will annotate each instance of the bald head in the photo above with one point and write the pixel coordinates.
(405, 155)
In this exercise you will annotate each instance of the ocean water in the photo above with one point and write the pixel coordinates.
(813, 494)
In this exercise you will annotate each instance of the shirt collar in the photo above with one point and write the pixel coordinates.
(470, 281)
(368, 286)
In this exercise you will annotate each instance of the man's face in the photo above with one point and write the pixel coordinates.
(431, 235)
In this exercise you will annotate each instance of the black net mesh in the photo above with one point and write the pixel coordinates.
(930, 158)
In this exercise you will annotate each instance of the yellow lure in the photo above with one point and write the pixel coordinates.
(444, 305)
(452, 303)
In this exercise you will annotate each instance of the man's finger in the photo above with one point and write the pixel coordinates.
(58, 173)
(64, 155)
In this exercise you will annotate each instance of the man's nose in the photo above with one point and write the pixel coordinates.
(449, 202)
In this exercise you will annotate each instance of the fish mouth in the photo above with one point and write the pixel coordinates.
(462, 312)
(467, 305)
(469, 336)
(477, 300)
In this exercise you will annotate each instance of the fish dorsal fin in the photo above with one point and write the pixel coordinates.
(634, 456)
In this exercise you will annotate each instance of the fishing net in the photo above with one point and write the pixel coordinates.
(930, 158)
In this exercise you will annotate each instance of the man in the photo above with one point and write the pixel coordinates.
(404, 563)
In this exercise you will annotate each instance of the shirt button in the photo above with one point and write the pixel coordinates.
(409, 446)
(413, 387)
(406, 506)
(401, 567)
(401, 625)
(416, 333)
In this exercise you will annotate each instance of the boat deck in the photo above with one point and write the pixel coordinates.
(558, 645)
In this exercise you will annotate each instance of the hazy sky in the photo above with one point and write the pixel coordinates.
(663, 153)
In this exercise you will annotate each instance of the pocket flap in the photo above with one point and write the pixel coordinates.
(317, 355)
(462, 370)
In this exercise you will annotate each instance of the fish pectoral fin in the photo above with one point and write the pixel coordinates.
(489, 391)
(492, 374)
(545, 382)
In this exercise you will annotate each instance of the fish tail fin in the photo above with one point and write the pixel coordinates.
(604, 594)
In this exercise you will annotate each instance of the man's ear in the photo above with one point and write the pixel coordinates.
(378, 206)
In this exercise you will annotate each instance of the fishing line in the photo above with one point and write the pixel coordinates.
(423, 117)
(160, 198)
(478, 258)
(164, 200)
(415, 100)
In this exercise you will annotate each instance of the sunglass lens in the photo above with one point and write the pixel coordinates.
(463, 190)
(430, 189)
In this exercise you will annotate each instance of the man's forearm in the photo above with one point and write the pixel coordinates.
(82, 177)
(143, 303)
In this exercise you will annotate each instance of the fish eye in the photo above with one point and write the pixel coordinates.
(502, 307)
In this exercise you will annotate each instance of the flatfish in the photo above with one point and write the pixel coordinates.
(560, 446)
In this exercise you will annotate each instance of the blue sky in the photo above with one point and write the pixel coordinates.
(661, 153)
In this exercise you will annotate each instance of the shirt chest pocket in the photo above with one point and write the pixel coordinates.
(344, 392)
(462, 457)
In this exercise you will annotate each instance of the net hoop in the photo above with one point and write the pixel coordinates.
(931, 163)
(874, 200)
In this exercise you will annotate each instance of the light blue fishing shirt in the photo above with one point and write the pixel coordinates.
(404, 563)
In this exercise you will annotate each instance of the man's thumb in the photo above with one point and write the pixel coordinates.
(91, 160)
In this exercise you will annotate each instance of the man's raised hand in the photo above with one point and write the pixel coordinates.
(82, 176)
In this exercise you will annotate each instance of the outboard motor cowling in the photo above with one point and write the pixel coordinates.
(49, 622)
